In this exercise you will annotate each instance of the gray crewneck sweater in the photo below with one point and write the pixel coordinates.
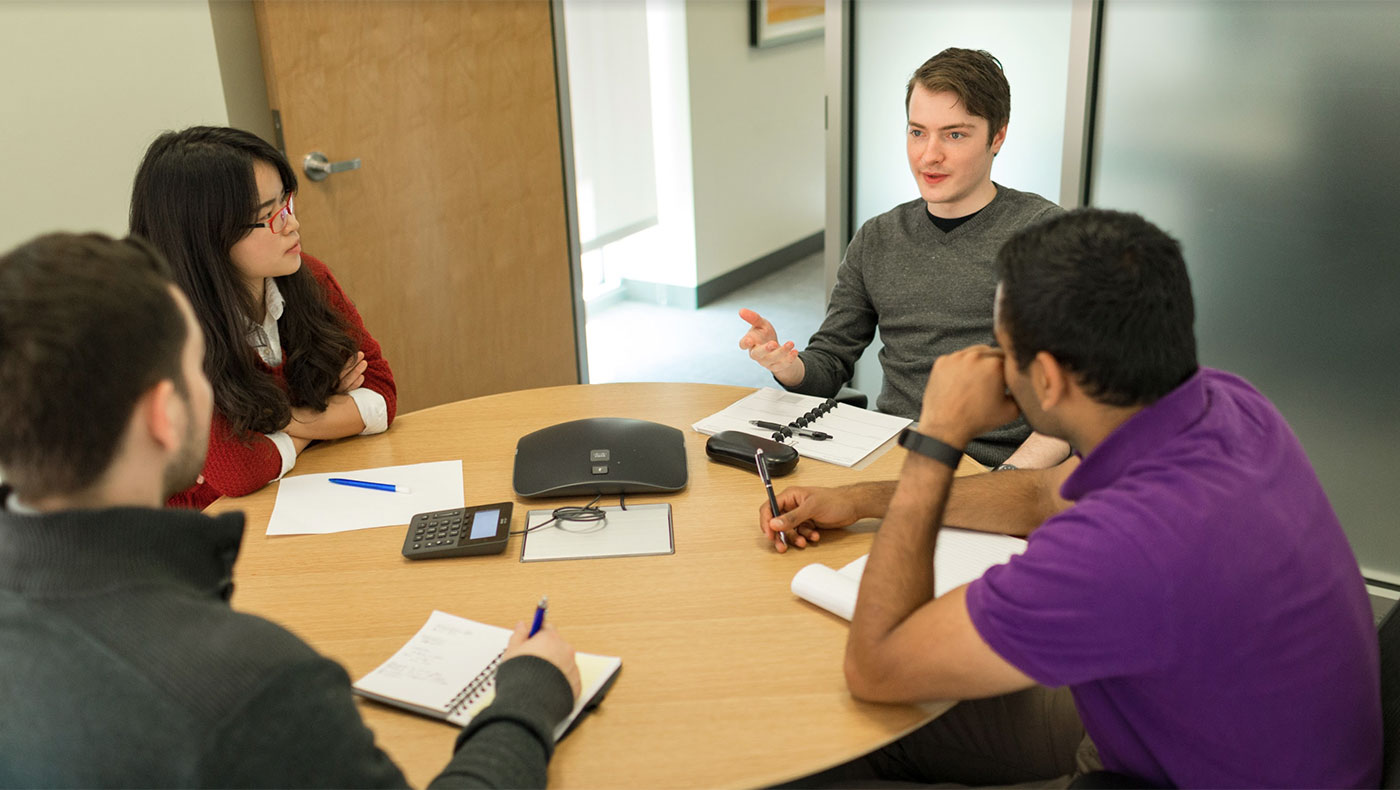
(930, 293)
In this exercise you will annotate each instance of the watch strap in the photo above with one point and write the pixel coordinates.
(929, 447)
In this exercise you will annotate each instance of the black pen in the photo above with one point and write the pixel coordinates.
(807, 432)
(768, 484)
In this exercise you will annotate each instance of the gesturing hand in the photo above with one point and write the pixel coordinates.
(352, 376)
(550, 646)
(966, 395)
(761, 341)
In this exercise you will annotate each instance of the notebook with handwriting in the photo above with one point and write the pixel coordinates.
(855, 432)
(959, 556)
(448, 671)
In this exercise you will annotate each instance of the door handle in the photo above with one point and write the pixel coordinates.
(318, 166)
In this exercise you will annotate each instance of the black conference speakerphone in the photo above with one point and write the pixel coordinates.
(600, 455)
(461, 532)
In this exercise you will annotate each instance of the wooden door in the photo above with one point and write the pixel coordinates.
(451, 237)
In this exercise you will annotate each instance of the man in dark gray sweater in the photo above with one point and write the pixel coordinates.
(923, 271)
(121, 663)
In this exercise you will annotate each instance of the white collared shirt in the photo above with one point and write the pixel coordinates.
(15, 506)
(267, 341)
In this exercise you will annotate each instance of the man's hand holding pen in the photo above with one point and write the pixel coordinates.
(805, 512)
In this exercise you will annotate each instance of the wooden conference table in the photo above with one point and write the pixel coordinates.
(727, 680)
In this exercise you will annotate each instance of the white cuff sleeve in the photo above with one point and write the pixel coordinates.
(373, 410)
(283, 440)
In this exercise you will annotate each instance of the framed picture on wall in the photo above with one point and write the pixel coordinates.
(774, 22)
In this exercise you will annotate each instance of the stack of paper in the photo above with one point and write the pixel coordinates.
(959, 557)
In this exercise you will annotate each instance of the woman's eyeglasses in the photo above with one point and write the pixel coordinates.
(278, 221)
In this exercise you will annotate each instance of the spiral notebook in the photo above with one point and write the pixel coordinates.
(448, 671)
(855, 432)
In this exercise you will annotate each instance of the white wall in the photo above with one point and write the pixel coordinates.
(665, 253)
(87, 86)
(892, 38)
(240, 66)
(610, 105)
(757, 136)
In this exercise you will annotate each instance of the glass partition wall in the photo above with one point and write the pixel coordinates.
(1259, 134)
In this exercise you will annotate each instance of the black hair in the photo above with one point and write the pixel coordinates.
(1107, 294)
(88, 324)
(194, 197)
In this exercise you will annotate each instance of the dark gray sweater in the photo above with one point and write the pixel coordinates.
(122, 665)
(929, 292)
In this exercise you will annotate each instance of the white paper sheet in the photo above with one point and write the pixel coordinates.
(959, 557)
(439, 661)
(310, 504)
(834, 591)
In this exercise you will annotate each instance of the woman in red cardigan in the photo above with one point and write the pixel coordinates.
(288, 356)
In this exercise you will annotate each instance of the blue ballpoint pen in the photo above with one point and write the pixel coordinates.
(539, 615)
(390, 487)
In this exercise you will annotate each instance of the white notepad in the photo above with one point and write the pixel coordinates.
(311, 504)
(448, 671)
(639, 530)
(960, 556)
(855, 432)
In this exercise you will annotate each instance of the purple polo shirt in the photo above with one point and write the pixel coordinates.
(1201, 602)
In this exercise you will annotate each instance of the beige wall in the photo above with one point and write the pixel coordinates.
(240, 67)
(87, 86)
(757, 135)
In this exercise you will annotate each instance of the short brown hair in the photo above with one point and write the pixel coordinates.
(88, 324)
(975, 77)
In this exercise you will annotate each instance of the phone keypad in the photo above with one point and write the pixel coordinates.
(447, 533)
(437, 529)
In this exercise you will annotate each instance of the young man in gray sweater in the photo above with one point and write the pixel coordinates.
(121, 662)
(922, 272)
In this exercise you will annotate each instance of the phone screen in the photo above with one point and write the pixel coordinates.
(484, 523)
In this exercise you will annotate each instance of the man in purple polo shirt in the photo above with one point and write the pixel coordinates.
(1188, 610)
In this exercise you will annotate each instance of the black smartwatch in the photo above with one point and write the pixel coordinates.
(929, 447)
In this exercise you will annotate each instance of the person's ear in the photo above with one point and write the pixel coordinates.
(997, 140)
(160, 407)
(1050, 380)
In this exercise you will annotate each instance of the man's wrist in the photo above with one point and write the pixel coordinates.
(871, 500)
(792, 375)
(932, 447)
(949, 433)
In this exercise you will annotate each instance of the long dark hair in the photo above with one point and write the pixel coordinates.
(193, 198)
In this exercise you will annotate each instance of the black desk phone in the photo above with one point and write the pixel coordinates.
(464, 531)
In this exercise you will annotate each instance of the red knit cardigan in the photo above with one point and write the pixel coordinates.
(236, 465)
